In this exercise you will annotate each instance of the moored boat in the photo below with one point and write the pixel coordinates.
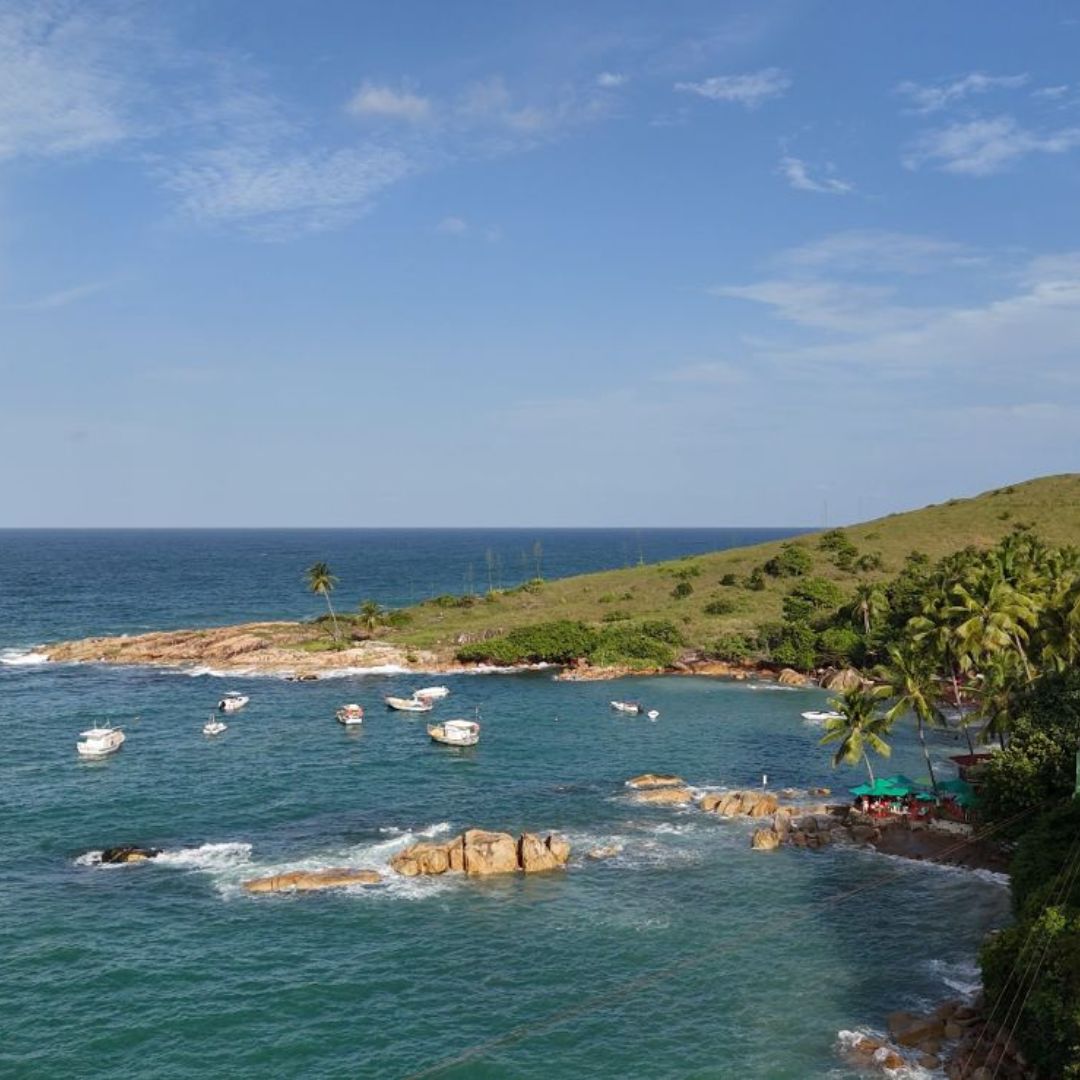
(455, 732)
(432, 693)
(233, 702)
(819, 717)
(214, 726)
(350, 715)
(408, 704)
(631, 707)
(99, 742)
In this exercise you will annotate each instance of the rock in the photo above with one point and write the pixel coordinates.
(421, 859)
(559, 847)
(847, 679)
(535, 855)
(128, 854)
(952, 1030)
(740, 803)
(819, 792)
(666, 796)
(790, 677)
(781, 823)
(765, 840)
(607, 851)
(310, 880)
(864, 834)
(929, 1061)
(899, 1021)
(919, 1031)
(656, 780)
(489, 853)
(887, 1058)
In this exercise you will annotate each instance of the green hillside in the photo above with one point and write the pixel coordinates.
(715, 595)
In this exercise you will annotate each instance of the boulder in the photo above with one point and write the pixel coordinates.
(819, 792)
(920, 1030)
(740, 803)
(887, 1058)
(668, 796)
(765, 840)
(781, 823)
(422, 859)
(929, 1061)
(535, 855)
(489, 853)
(840, 681)
(656, 780)
(559, 847)
(899, 1021)
(127, 854)
(311, 880)
(791, 677)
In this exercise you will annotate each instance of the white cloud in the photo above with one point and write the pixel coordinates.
(453, 226)
(749, 90)
(927, 98)
(707, 372)
(277, 195)
(797, 173)
(610, 80)
(1051, 93)
(386, 103)
(62, 297)
(982, 147)
(877, 251)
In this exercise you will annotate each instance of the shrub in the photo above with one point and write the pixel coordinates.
(734, 647)
(452, 600)
(809, 597)
(557, 642)
(792, 644)
(792, 561)
(614, 616)
(756, 580)
(721, 606)
(872, 561)
(841, 645)
(729, 580)
(682, 590)
(606, 598)
(649, 644)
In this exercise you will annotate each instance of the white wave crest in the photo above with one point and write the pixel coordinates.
(846, 1042)
(208, 856)
(962, 976)
(22, 658)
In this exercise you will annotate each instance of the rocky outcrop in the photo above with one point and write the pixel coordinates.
(740, 803)
(791, 677)
(767, 839)
(128, 854)
(843, 680)
(337, 877)
(656, 780)
(480, 853)
(666, 796)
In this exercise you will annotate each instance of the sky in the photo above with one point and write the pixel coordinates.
(769, 262)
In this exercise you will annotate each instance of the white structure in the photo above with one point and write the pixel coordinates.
(350, 715)
(455, 732)
(233, 702)
(99, 742)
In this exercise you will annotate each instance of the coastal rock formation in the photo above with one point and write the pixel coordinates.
(128, 854)
(311, 880)
(767, 839)
(842, 680)
(666, 796)
(656, 780)
(740, 803)
(478, 852)
(791, 677)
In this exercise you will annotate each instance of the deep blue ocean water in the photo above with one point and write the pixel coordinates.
(687, 955)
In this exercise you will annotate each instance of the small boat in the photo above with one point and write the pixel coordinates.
(408, 704)
(631, 707)
(99, 742)
(232, 702)
(350, 715)
(432, 693)
(455, 732)
(817, 717)
(214, 726)
(653, 714)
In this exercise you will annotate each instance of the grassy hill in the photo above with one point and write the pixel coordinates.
(707, 596)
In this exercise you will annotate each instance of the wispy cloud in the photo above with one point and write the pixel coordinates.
(62, 297)
(452, 226)
(749, 90)
(932, 97)
(982, 147)
(877, 251)
(798, 176)
(610, 80)
(707, 372)
(386, 103)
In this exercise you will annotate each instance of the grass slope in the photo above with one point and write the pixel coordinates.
(1050, 505)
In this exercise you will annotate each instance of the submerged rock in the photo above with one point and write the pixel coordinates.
(128, 854)
(656, 780)
(310, 880)
(606, 851)
(666, 796)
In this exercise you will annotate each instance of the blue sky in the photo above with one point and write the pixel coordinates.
(347, 263)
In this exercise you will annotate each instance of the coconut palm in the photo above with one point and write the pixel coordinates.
(321, 581)
(859, 728)
(372, 614)
(909, 679)
(868, 603)
(990, 615)
(1000, 678)
(1057, 636)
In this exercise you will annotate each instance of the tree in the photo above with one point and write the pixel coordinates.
(321, 581)
(908, 679)
(372, 615)
(990, 616)
(868, 604)
(859, 728)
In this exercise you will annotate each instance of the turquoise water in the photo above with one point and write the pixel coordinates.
(687, 955)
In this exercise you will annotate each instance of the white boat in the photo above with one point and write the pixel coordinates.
(432, 693)
(817, 717)
(233, 702)
(653, 714)
(455, 732)
(408, 704)
(99, 742)
(214, 726)
(631, 707)
(350, 715)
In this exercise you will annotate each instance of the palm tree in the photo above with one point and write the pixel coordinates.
(908, 678)
(320, 580)
(991, 616)
(1057, 636)
(868, 604)
(859, 728)
(372, 614)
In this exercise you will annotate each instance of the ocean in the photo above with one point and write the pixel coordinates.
(686, 955)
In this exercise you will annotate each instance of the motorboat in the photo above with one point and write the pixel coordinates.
(653, 714)
(98, 742)
(233, 702)
(214, 726)
(350, 715)
(631, 707)
(818, 717)
(432, 693)
(455, 732)
(408, 704)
